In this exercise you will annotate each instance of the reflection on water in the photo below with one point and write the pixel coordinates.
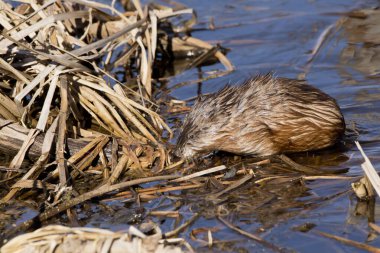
(362, 52)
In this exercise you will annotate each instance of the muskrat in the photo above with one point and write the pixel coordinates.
(264, 116)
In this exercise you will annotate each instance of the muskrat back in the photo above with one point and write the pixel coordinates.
(263, 116)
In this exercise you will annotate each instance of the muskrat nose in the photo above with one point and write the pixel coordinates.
(178, 152)
(184, 152)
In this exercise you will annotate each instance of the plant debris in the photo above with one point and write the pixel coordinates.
(75, 73)
(57, 238)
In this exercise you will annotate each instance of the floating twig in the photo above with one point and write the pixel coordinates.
(251, 236)
(182, 227)
(200, 173)
(349, 242)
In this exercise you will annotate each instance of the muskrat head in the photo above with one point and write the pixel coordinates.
(187, 138)
(197, 134)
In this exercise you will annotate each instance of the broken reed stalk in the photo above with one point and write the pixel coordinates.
(61, 139)
(233, 186)
(88, 158)
(182, 227)
(201, 173)
(153, 192)
(349, 242)
(119, 168)
(372, 179)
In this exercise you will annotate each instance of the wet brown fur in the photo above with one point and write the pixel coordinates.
(264, 116)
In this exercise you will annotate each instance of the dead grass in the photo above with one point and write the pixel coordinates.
(80, 72)
(60, 79)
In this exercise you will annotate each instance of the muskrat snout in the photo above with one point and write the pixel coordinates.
(264, 116)
(184, 152)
